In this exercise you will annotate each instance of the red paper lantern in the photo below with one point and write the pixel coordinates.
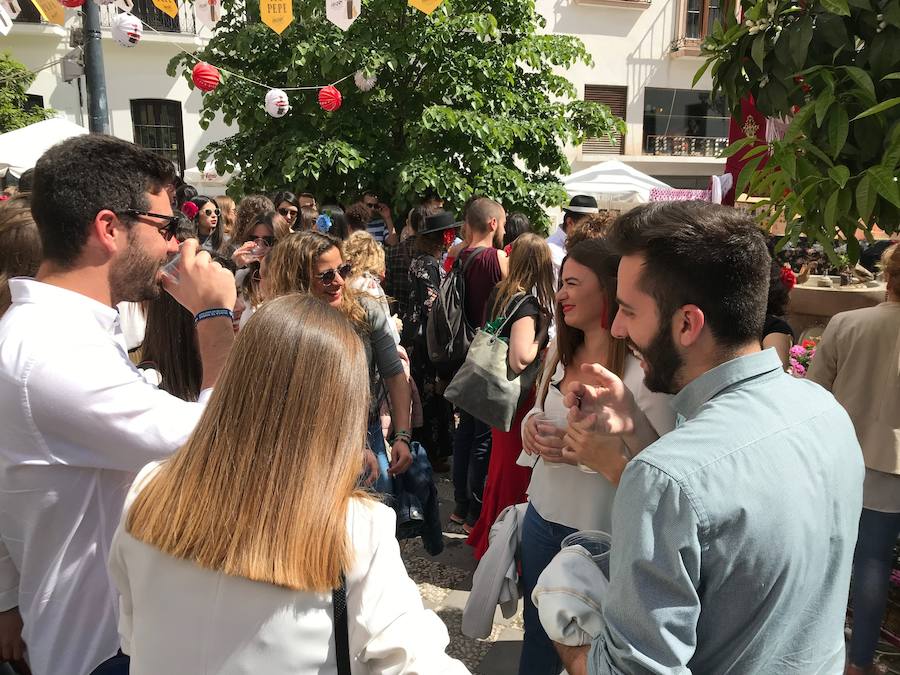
(71, 4)
(205, 76)
(329, 98)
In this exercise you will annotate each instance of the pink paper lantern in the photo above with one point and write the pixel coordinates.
(205, 76)
(71, 4)
(330, 98)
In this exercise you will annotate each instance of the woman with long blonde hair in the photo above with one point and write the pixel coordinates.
(314, 263)
(524, 303)
(227, 553)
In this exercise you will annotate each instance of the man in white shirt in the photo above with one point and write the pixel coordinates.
(579, 209)
(78, 419)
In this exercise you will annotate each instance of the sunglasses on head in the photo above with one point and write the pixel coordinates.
(328, 276)
(268, 240)
(209, 212)
(167, 230)
(288, 213)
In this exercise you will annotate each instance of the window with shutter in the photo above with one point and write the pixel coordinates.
(158, 127)
(615, 98)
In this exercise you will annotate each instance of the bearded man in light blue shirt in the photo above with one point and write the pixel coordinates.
(733, 535)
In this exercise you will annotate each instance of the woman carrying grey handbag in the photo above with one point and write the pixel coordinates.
(502, 363)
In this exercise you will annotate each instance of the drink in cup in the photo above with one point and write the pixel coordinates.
(560, 422)
(596, 543)
(171, 268)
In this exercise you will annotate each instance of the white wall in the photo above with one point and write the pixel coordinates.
(630, 43)
(131, 73)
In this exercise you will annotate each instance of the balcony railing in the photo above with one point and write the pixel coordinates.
(184, 22)
(684, 146)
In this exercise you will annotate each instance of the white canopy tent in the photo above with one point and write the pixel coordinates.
(20, 149)
(615, 185)
(207, 180)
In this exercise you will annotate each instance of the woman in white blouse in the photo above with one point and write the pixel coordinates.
(227, 554)
(563, 497)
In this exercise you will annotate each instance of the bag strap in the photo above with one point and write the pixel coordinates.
(549, 370)
(341, 637)
(475, 254)
(510, 314)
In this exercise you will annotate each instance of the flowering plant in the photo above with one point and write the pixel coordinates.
(801, 356)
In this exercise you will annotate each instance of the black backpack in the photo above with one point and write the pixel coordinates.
(448, 333)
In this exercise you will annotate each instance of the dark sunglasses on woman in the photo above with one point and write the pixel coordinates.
(209, 212)
(288, 213)
(328, 276)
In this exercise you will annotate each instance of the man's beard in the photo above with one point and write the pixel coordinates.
(663, 361)
(133, 277)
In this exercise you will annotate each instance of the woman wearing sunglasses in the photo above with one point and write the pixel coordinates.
(210, 226)
(287, 206)
(228, 553)
(314, 263)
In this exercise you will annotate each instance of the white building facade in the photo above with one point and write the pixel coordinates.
(645, 53)
(146, 105)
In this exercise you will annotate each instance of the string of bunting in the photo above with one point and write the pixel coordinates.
(127, 30)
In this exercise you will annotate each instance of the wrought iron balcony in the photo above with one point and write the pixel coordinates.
(184, 22)
(684, 146)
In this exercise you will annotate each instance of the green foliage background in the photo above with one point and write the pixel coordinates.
(832, 67)
(468, 101)
(15, 79)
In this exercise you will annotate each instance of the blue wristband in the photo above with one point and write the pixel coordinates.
(212, 313)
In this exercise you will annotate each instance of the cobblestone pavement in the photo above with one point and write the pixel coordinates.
(445, 582)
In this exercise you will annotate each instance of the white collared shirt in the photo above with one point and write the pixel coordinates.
(557, 244)
(78, 422)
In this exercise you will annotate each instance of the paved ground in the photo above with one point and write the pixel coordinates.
(445, 582)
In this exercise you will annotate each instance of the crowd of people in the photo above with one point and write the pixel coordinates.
(208, 407)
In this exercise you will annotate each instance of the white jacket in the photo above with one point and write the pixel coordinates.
(176, 617)
(496, 580)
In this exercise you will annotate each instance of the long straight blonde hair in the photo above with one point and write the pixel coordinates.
(261, 488)
(530, 271)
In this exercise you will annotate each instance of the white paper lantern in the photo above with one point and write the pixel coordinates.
(364, 83)
(277, 104)
(127, 30)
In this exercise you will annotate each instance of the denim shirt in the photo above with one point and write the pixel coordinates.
(733, 535)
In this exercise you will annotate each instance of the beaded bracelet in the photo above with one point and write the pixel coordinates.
(212, 313)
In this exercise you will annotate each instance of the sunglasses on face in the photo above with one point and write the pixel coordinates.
(268, 241)
(288, 213)
(209, 212)
(328, 276)
(167, 229)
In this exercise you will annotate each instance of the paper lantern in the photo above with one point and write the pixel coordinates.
(71, 4)
(342, 13)
(127, 30)
(363, 83)
(329, 98)
(205, 76)
(277, 104)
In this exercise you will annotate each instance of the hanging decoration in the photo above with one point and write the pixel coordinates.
(427, 6)
(276, 14)
(71, 4)
(51, 10)
(277, 104)
(208, 12)
(11, 7)
(342, 13)
(103, 3)
(167, 7)
(124, 5)
(126, 30)
(330, 98)
(6, 21)
(205, 76)
(364, 83)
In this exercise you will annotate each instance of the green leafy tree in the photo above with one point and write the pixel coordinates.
(832, 69)
(15, 112)
(468, 100)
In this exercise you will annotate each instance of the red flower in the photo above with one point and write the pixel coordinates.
(808, 344)
(788, 278)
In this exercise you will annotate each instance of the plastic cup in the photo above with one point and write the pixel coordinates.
(596, 543)
(559, 421)
(170, 269)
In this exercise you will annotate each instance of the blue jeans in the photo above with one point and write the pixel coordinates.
(541, 540)
(871, 578)
(376, 445)
(471, 456)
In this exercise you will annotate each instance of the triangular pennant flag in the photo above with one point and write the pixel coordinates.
(208, 12)
(51, 10)
(276, 14)
(427, 6)
(6, 22)
(342, 13)
(168, 7)
(12, 7)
